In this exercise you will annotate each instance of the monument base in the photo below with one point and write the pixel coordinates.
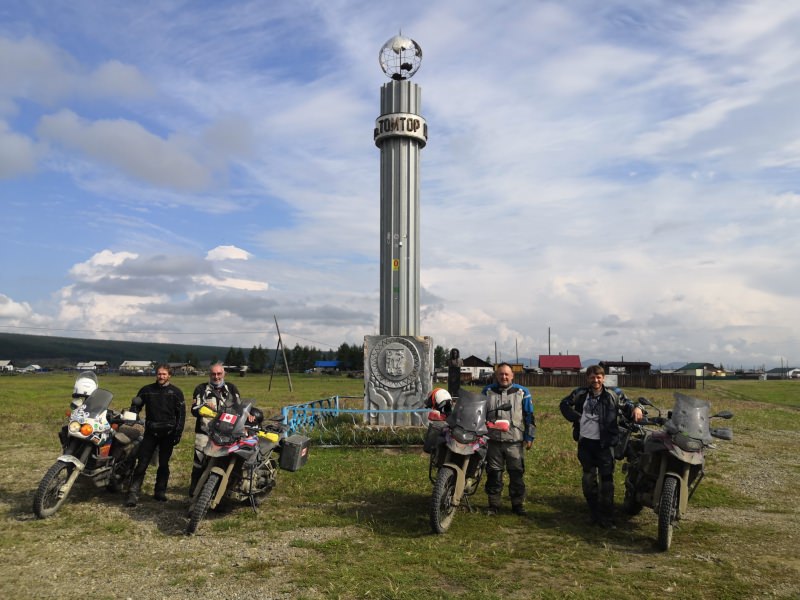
(398, 375)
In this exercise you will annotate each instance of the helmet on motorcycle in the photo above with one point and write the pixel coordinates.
(85, 384)
(438, 399)
(620, 394)
(257, 414)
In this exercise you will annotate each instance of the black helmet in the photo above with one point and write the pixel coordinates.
(257, 414)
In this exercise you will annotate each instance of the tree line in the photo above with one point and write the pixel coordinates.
(300, 358)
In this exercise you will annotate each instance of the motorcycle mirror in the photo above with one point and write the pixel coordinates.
(723, 414)
(137, 401)
(645, 401)
(506, 406)
(723, 433)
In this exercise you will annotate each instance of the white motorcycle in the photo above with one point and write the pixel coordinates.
(96, 443)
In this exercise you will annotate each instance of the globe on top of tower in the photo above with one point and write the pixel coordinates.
(400, 57)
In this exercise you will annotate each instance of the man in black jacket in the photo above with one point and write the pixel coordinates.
(593, 412)
(165, 410)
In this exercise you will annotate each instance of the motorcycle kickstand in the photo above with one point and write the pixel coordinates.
(470, 508)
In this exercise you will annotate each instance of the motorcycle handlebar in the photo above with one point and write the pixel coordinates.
(652, 421)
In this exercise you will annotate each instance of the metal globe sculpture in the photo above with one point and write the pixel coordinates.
(400, 58)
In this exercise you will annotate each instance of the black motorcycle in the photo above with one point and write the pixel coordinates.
(664, 465)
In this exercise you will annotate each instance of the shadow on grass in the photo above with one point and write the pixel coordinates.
(390, 512)
(570, 516)
(406, 515)
(169, 516)
(21, 503)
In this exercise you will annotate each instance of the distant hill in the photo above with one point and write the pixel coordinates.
(60, 352)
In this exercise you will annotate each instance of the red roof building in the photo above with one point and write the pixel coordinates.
(560, 363)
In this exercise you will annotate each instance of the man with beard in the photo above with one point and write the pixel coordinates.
(165, 410)
(593, 411)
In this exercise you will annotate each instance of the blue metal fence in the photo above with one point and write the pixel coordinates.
(307, 415)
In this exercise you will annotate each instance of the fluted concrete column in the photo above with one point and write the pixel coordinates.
(400, 133)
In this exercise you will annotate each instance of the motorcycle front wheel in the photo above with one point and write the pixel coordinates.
(667, 511)
(442, 508)
(50, 494)
(200, 507)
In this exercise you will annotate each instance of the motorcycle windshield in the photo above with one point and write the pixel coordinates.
(690, 417)
(99, 401)
(229, 425)
(469, 413)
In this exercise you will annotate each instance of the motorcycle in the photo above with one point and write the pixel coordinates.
(241, 462)
(665, 465)
(96, 442)
(457, 440)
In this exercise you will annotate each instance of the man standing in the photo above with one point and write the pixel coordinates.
(505, 450)
(593, 412)
(216, 395)
(165, 410)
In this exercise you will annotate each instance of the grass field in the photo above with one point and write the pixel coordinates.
(353, 523)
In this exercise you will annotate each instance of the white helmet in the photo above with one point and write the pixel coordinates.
(439, 398)
(85, 384)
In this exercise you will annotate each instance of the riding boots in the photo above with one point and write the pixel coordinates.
(133, 490)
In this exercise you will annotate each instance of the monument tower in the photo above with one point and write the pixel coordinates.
(400, 133)
(398, 362)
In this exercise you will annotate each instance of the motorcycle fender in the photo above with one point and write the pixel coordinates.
(683, 492)
(692, 458)
(683, 502)
(68, 458)
(461, 480)
(223, 484)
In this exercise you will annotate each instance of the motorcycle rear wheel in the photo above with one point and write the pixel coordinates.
(48, 498)
(667, 511)
(442, 508)
(200, 507)
(630, 505)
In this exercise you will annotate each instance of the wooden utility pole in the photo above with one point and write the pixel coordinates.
(282, 348)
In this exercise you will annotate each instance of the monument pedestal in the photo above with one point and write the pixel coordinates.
(398, 372)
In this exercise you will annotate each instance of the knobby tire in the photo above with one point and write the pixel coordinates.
(442, 508)
(46, 501)
(200, 507)
(667, 511)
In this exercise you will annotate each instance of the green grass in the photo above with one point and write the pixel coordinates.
(353, 523)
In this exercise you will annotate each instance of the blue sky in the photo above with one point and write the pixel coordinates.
(626, 176)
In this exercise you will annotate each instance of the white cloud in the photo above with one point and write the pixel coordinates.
(44, 74)
(100, 265)
(227, 253)
(113, 78)
(14, 310)
(130, 148)
(256, 135)
(17, 153)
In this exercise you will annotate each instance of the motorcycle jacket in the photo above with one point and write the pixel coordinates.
(522, 424)
(165, 408)
(217, 399)
(609, 406)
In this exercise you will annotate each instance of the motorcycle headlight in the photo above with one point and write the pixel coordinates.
(86, 430)
(74, 427)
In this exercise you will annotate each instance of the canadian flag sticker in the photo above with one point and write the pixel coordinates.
(228, 418)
